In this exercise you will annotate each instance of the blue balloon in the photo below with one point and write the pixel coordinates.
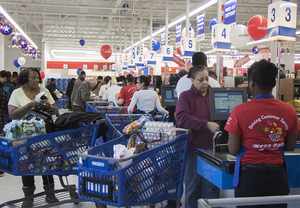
(155, 45)
(212, 22)
(82, 42)
(78, 70)
(16, 63)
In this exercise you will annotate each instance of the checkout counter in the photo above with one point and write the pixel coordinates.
(218, 166)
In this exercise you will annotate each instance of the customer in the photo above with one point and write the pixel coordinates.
(21, 101)
(104, 87)
(127, 92)
(14, 78)
(69, 91)
(52, 88)
(83, 95)
(193, 112)
(78, 82)
(185, 83)
(113, 91)
(145, 99)
(259, 131)
(5, 79)
(96, 89)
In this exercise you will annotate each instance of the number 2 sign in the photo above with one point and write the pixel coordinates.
(282, 18)
(220, 39)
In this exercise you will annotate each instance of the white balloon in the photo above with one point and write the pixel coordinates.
(146, 52)
(21, 61)
(191, 33)
(118, 68)
(239, 36)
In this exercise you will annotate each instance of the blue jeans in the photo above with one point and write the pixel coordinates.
(143, 112)
(197, 187)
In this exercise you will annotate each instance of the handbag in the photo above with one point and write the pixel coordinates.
(39, 114)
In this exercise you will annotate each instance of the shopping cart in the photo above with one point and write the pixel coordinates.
(117, 122)
(48, 154)
(107, 109)
(153, 176)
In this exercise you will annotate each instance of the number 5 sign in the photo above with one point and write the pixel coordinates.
(189, 47)
(220, 39)
(167, 53)
(282, 18)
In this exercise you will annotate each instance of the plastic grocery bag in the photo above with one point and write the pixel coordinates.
(121, 151)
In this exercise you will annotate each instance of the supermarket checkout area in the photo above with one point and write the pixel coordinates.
(217, 166)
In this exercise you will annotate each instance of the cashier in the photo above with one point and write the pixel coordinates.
(259, 131)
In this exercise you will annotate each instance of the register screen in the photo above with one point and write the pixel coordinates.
(226, 101)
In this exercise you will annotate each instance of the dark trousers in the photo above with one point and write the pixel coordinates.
(29, 180)
(69, 103)
(77, 108)
(265, 181)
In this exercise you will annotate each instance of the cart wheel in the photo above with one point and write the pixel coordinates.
(76, 202)
(100, 205)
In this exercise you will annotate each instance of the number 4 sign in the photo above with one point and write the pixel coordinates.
(220, 40)
(282, 18)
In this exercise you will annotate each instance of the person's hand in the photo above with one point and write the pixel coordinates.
(47, 104)
(212, 126)
(34, 103)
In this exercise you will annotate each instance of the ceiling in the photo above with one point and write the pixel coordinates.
(62, 23)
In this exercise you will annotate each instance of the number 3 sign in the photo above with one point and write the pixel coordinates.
(220, 39)
(282, 21)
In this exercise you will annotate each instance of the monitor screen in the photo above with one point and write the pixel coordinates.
(223, 100)
(169, 95)
(151, 87)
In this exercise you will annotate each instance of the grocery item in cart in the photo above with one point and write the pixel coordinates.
(121, 151)
(134, 126)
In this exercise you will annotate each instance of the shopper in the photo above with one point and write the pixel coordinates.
(83, 95)
(104, 87)
(78, 82)
(14, 78)
(20, 102)
(69, 91)
(193, 112)
(127, 92)
(96, 89)
(185, 83)
(259, 131)
(52, 88)
(112, 92)
(145, 99)
(5, 79)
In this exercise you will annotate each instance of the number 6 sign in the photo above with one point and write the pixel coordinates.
(282, 18)
(167, 53)
(220, 39)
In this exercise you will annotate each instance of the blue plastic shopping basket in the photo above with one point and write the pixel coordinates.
(153, 176)
(48, 154)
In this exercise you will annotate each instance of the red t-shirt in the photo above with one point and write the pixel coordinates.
(263, 124)
(126, 93)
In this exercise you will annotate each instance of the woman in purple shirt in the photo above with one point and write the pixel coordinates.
(193, 112)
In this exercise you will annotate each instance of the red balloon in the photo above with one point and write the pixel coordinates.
(257, 27)
(42, 74)
(178, 50)
(106, 51)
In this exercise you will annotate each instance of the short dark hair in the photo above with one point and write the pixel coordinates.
(264, 74)
(15, 74)
(212, 73)
(100, 77)
(130, 78)
(195, 69)
(4, 74)
(107, 79)
(23, 76)
(144, 79)
(123, 78)
(73, 79)
(199, 58)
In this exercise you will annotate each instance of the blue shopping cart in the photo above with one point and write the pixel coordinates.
(153, 176)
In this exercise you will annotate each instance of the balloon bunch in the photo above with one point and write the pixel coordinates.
(19, 62)
(234, 54)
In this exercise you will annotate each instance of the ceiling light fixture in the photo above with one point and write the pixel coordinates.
(17, 27)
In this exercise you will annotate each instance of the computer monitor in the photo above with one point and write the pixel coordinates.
(223, 100)
(151, 87)
(169, 95)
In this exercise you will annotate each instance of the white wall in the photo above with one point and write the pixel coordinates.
(1, 52)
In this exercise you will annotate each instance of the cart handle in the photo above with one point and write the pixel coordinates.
(107, 196)
(108, 159)
(9, 162)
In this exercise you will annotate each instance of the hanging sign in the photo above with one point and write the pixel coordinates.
(189, 47)
(131, 65)
(200, 27)
(230, 13)
(151, 59)
(140, 61)
(167, 53)
(163, 39)
(282, 18)
(124, 65)
(178, 36)
(220, 39)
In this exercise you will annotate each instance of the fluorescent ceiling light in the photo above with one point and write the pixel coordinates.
(17, 27)
(171, 24)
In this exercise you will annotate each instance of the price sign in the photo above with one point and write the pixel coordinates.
(189, 47)
(282, 18)
(167, 53)
(151, 59)
(140, 61)
(131, 65)
(220, 40)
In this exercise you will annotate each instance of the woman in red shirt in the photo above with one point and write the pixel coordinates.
(127, 92)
